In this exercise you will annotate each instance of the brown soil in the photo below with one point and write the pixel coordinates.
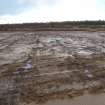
(40, 67)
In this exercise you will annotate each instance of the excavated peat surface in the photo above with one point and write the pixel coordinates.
(52, 66)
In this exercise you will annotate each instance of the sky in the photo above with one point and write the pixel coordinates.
(25, 11)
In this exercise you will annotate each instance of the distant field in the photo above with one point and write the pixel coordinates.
(56, 26)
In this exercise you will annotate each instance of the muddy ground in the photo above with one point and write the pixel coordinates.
(38, 67)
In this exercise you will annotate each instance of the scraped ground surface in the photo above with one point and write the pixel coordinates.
(43, 67)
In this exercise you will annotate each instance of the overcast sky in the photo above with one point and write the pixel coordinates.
(20, 11)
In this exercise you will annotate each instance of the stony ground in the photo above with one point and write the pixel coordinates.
(41, 66)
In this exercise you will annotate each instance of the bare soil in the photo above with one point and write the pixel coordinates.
(45, 67)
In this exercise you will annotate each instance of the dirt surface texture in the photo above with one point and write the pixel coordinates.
(52, 68)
